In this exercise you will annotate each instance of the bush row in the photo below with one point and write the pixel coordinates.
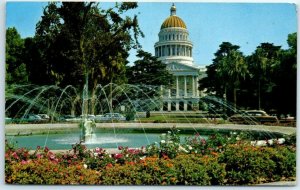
(214, 161)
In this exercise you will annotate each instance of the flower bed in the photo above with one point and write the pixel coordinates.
(219, 160)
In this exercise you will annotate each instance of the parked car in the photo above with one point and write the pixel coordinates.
(8, 120)
(68, 118)
(111, 116)
(253, 117)
(89, 117)
(44, 117)
(32, 118)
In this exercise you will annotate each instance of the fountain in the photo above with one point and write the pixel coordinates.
(55, 101)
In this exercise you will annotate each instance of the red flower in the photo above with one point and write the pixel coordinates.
(131, 163)
(120, 147)
(46, 149)
(118, 156)
(109, 165)
(15, 155)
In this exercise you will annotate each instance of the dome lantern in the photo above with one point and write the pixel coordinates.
(173, 10)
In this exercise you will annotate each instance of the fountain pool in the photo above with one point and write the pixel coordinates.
(101, 139)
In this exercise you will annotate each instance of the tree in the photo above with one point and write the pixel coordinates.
(148, 70)
(212, 82)
(80, 43)
(262, 63)
(149, 73)
(285, 90)
(231, 70)
(16, 72)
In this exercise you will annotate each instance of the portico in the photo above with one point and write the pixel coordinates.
(183, 95)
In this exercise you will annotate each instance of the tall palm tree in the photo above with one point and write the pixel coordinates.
(264, 60)
(232, 69)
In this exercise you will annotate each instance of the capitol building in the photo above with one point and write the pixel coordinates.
(175, 49)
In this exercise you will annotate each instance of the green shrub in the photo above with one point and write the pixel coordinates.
(43, 171)
(246, 164)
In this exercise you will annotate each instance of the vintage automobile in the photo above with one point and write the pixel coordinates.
(111, 116)
(253, 117)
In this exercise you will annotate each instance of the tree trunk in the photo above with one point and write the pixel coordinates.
(234, 98)
(110, 97)
(259, 104)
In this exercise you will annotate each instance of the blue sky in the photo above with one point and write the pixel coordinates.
(209, 24)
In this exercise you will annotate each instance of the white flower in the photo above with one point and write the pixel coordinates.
(162, 141)
(126, 155)
(163, 134)
(180, 148)
(142, 158)
(95, 154)
(237, 138)
(190, 148)
(170, 142)
(85, 166)
(169, 132)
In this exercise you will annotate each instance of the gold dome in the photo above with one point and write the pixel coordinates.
(173, 20)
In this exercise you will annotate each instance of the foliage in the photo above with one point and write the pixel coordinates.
(257, 80)
(149, 73)
(246, 164)
(218, 160)
(148, 70)
(77, 39)
(16, 72)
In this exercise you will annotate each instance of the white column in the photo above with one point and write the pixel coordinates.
(161, 51)
(185, 106)
(197, 86)
(161, 91)
(169, 90)
(169, 106)
(177, 106)
(193, 87)
(171, 50)
(177, 87)
(185, 88)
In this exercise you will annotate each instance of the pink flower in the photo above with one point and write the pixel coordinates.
(118, 156)
(24, 162)
(98, 149)
(15, 155)
(39, 156)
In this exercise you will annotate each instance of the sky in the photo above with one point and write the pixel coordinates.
(209, 24)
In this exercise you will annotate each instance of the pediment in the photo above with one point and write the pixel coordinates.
(181, 67)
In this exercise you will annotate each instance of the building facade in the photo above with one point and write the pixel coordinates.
(174, 48)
